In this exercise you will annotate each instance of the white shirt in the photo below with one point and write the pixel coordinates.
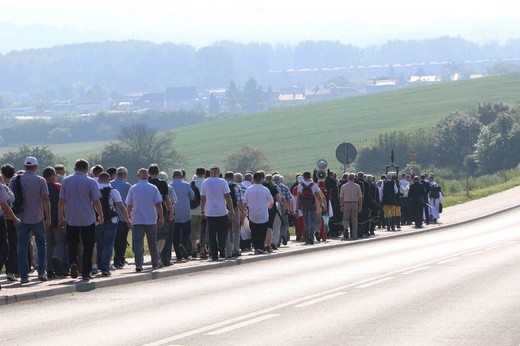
(258, 198)
(214, 190)
(115, 197)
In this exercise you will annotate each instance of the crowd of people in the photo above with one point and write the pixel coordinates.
(79, 224)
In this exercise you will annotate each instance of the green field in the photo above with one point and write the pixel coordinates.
(295, 138)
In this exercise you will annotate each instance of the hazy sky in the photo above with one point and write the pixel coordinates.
(201, 22)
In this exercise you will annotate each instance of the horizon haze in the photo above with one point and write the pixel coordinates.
(28, 24)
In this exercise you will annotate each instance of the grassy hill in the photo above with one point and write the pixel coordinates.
(295, 138)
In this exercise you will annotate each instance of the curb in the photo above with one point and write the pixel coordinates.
(129, 278)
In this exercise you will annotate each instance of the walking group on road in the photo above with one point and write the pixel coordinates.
(79, 225)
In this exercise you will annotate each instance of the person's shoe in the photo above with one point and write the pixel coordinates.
(94, 271)
(274, 247)
(56, 264)
(51, 275)
(194, 255)
(214, 259)
(11, 278)
(24, 280)
(167, 264)
(119, 266)
(284, 240)
(74, 271)
(260, 252)
(138, 270)
(112, 267)
(268, 249)
(158, 266)
(87, 277)
(311, 241)
(105, 273)
(203, 256)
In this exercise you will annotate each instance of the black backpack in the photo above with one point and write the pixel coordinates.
(17, 206)
(196, 201)
(108, 211)
(233, 194)
(435, 192)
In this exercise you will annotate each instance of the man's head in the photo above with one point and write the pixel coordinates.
(361, 175)
(177, 174)
(122, 172)
(112, 172)
(142, 174)
(153, 169)
(59, 169)
(30, 163)
(104, 178)
(163, 176)
(351, 177)
(277, 179)
(8, 171)
(248, 177)
(307, 175)
(96, 170)
(200, 172)
(229, 176)
(238, 178)
(214, 170)
(49, 174)
(81, 165)
(258, 177)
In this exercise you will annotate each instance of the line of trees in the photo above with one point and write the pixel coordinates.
(460, 144)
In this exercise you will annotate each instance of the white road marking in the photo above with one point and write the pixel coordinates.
(242, 324)
(493, 247)
(318, 300)
(373, 283)
(448, 260)
(415, 270)
(510, 242)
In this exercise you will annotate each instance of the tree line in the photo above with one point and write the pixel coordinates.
(67, 72)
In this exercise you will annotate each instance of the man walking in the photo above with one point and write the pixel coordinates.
(258, 200)
(217, 207)
(308, 198)
(121, 184)
(351, 201)
(144, 204)
(79, 203)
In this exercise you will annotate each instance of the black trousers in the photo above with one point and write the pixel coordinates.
(258, 232)
(88, 239)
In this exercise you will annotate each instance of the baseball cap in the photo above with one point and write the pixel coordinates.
(214, 166)
(30, 161)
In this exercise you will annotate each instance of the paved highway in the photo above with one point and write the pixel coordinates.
(456, 286)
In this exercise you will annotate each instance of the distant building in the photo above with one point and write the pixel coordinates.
(424, 79)
(291, 99)
(154, 101)
(375, 85)
(177, 98)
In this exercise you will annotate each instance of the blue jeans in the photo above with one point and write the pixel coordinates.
(4, 245)
(217, 226)
(309, 223)
(105, 238)
(23, 231)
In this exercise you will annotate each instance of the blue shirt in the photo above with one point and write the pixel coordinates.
(184, 194)
(142, 197)
(122, 186)
(79, 192)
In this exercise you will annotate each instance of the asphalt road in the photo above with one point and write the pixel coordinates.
(457, 286)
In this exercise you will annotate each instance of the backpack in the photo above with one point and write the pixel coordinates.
(196, 201)
(307, 198)
(435, 192)
(17, 206)
(108, 211)
(233, 194)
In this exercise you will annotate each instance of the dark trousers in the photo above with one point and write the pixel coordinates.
(120, 243)
(258, 231)
(11, 265)
(218, 231)
(181, 236)
(88, 239)
(417, 214)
